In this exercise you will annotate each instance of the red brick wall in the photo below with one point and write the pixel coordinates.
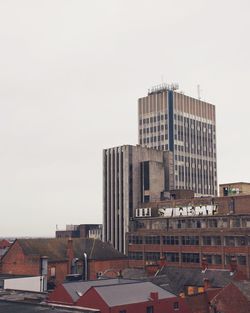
(96, 266)
(60, 296)
(15, 262)
(92, 299)
(231, 300)
(61, 271)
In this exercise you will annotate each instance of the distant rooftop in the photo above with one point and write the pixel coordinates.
(163, 87)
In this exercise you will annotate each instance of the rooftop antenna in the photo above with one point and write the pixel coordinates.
(199, 91)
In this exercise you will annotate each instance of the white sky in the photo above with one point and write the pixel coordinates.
(70, 76)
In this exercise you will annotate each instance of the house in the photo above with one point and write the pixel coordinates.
(118, 296)
(184, 281)
(30, 302)
(234, 298)
(4, 246)
(58, 257)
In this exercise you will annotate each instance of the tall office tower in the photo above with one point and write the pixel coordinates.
(170, 120)
(131, 175)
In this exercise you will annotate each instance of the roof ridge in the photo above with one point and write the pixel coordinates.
(92, 249)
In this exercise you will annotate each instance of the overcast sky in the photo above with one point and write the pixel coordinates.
(70, 76)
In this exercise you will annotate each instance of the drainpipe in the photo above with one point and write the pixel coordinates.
(44, 272)
(85, 269)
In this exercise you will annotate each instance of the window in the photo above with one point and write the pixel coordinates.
(208, 258)
(152, 240)
(135, 255)
(241, 260)
(229, 241)
(170, 240)
(217, 259)
(176, 305)
(172, 256)
(190, 240)
(150, 309)
(207, 241)
(53, 272)
(152, 256)
(190, 257)
(135, 239)
(217, 240)
(212, 223)
(241, 241)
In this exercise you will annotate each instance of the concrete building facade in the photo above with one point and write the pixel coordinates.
(170, 120)
(131, 175)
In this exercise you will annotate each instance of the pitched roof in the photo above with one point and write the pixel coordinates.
(115, 295)
(4, 244)
(174, 279)
(77, 289)
(17, 307)
(56, 248)
(244, 287)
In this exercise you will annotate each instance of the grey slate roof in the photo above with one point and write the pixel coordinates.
(244, 287)
(175, 279)
(134, 273)
(56, 248)
(115, 295)
(15, 307)
(76, 289)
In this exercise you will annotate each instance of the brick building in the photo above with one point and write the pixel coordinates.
(65, 256)
(118, 296)
(4, 246)
(231, 189)
(81, 231)
(234, 298)
(189, 232)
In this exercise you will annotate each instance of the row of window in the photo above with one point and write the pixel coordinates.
(176, 257)
(190, 240)
(153, 129)
(196, 223)
(152, 119)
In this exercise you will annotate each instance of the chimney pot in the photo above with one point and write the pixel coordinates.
(154, 296)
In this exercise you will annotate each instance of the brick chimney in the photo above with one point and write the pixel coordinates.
(154, 296)
(204, 264)
(207, 284)
(151, 268)
(162, 262)
(233, 265)
(70, 254)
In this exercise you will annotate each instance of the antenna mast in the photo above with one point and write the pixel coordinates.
(199, 92)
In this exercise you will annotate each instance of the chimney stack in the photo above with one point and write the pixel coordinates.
(204, 264)
(44, 272)
(70, 254)
(162, 262)
(154, 296)
(207, 284)
(233, 265)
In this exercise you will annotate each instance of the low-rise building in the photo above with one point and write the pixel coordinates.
(59, 257)
(234, 298)
(231, 189)
(118, 295)
(4, 246)
(81, 231)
